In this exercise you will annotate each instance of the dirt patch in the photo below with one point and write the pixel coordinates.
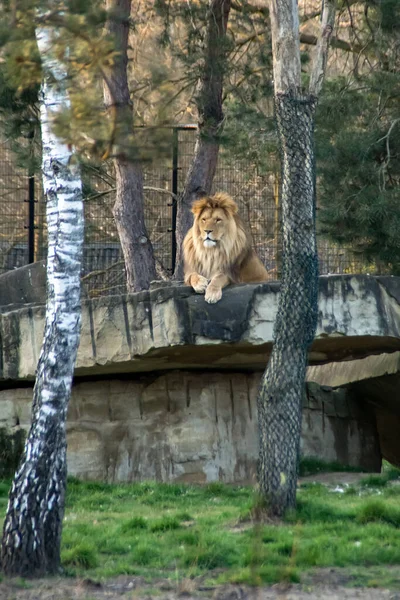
(324, 584)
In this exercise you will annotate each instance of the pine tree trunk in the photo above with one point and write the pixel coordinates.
(129, 205)
(282, 386)
(209, 104)
(33, 523)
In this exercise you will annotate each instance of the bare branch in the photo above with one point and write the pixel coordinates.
(335, 42)
(321, 51)
(92, 274)
(98, 195)
(309, 16)
(263, 10)
(385, 165)
(311, 40)
(251, 9)
(162, 271)
(160, 190)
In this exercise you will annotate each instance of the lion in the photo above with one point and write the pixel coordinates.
(217, 250)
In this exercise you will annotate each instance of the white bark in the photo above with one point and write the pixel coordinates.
(321, 52)
(285, 46)
(32, 528)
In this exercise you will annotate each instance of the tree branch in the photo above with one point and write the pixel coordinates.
(161, 271)
(321, 51)
(160, 190)
(246, 7)
(264, 11)
(92, 274)
(311, 40)
(335, 42)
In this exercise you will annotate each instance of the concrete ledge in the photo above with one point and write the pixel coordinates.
(26, 285)
(171, 327)
(339, 374)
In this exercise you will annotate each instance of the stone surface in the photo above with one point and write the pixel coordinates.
(171, 327)
(375, 380)
(337, 374)
(26, 285)
(173, 380)
(193, 427)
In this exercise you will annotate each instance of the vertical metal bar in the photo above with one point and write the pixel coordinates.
(277, 226)
(31, 208)
(174, 189)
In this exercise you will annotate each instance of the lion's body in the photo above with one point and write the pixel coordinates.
(217, 249)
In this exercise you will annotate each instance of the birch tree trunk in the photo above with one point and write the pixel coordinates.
(209, 104)
(129, 205)
(282, 385)
(33, 523)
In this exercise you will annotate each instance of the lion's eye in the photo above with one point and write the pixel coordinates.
(218, 220)
(203, 219)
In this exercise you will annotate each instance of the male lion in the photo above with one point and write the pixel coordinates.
(217, 249)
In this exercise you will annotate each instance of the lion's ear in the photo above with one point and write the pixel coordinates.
(198, 206)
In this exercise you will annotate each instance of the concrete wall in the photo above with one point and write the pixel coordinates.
(192, 427)
(167, 397)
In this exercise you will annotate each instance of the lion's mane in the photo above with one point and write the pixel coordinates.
(233, 255)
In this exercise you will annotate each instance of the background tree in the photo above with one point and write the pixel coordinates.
(282, 385)
(201, 172)
(33, 523)
(358, 144)
(129, 205)
(165, 62)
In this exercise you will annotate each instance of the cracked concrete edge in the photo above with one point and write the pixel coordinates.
(128, 328)
(337, 374)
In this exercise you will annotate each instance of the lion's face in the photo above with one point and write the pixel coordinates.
(213, 224)
(217, 249)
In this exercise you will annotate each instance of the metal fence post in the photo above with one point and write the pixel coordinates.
(31, 218)
(31, 205)
(174, 189)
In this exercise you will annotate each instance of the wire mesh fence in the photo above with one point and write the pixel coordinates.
(23, 226)
(14, 214)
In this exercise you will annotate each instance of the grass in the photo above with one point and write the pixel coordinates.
(388, 474)
(183, 531)
(81, 555)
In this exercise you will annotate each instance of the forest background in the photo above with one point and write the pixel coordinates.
(357, 133)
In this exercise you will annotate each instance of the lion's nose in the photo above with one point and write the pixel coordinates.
(208, 231)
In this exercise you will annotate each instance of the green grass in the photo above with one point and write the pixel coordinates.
(379, 511)
(179, 531)
(388, 474)
(82, 555)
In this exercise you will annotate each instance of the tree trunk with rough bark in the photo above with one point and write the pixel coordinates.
(33, 523)
(129, 205)
(209, 104)
(282, 386)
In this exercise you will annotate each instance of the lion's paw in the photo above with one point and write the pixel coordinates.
(213, 294)
(199, 283)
